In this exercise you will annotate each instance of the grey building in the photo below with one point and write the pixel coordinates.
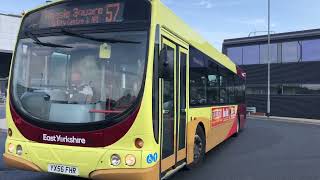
(295, 72)
(9, 27)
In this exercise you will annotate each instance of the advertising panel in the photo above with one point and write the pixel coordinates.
(223, 114)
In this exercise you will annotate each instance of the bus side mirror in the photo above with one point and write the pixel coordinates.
(163, 63)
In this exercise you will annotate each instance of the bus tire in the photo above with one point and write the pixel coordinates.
(199, 150)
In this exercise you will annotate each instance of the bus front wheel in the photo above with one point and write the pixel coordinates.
(199, 148)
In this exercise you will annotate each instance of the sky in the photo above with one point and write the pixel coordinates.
(217, 20)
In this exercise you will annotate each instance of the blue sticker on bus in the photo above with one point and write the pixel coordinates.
(152, 158)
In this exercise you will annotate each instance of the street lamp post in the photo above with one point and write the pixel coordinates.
(269, 59)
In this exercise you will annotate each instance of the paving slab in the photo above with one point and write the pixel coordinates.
(286, 119)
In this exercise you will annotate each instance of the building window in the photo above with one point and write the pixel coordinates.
(264, 53)
(5, 59)
(235, 54)
(291, 52)
(251, 55)
(284, 52)
(311, 50)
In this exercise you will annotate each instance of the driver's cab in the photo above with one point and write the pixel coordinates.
(66, 85)
(80, 80)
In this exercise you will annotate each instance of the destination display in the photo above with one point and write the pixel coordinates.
(84, 15)
(88, 12)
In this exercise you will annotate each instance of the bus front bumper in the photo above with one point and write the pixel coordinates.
(114, 174)
(121, 174)
(19, 163)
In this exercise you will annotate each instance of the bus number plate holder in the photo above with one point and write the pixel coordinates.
(63, 169)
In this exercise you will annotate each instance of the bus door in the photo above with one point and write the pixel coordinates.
(173, 105)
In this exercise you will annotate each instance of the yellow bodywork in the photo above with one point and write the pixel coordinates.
(91, 159)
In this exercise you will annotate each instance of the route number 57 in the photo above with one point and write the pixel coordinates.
(112, 12)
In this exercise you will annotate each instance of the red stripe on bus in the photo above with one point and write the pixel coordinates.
(99, 138)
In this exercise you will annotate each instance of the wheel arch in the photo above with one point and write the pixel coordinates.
(203, 127)
(192, 128)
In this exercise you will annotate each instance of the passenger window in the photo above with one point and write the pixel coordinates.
(230, 89)
(223, 90)
(213, 83)
(198, 78)
(239, 91)
(168, 105)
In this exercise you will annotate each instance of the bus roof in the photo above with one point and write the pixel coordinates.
(184, 31)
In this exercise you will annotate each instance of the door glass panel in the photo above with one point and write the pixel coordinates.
(168, 106)
(183, 81)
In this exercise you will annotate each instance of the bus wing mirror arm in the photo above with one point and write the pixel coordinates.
(163, 63)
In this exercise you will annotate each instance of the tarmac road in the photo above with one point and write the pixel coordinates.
(265, 150)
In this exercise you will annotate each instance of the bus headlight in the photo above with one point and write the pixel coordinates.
(19, 150)
(115, 160)
(130, 160)
(11, 148)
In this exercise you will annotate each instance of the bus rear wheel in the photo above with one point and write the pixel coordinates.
(199, 148)
(238, 127)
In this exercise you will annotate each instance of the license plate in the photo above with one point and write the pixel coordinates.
(63, 169)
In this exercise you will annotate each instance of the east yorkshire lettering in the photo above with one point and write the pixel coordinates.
(63, 139)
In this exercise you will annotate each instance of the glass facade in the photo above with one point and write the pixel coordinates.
(282, 52)
(235, 54)
(294, 78)
(264, 53)
(311, 50)
(251, 54)
(291, 52)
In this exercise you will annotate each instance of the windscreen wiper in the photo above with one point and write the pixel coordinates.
(38, 42)
(102, 40)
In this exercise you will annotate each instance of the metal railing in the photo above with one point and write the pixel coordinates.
(251, 110)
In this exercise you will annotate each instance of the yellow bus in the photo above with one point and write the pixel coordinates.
(117, 89)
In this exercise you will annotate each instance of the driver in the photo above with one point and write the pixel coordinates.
(80, 92)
